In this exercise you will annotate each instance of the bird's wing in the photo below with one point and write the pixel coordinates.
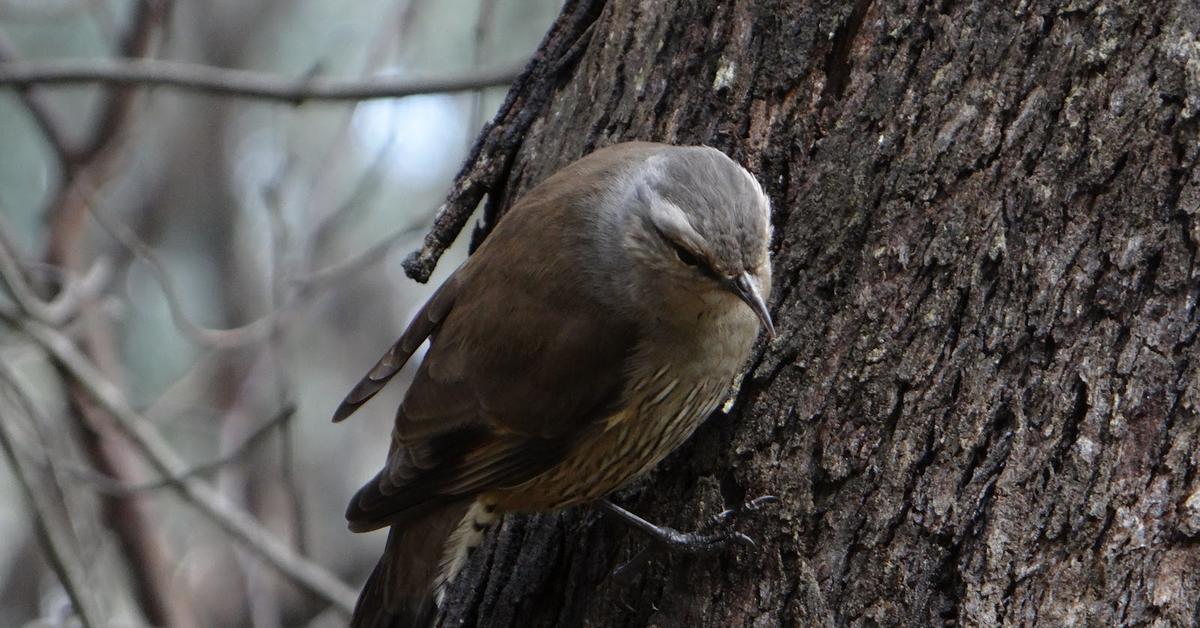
(522, 360)
(506, 386)
(422, 326)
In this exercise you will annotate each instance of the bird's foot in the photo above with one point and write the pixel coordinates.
(715, 535)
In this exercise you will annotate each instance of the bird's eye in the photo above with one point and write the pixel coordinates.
(687, 257)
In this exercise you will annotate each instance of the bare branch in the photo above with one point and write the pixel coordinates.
(276, 349)
(112, 486)
(335, 273)
(39, 10)
(41, 112)
(242, 83)
(491, 157)
(142, 547)
(253, 331)
(65, 304)
(367, 186)
(57, 537)
(18, 285)
(309, 576)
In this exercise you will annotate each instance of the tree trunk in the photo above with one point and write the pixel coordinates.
(983, 404)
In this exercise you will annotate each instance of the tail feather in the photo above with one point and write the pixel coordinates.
(400, 590)
(372, 611)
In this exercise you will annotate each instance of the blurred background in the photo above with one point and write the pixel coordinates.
(232, 267)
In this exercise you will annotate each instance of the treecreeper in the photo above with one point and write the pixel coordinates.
(595, 328)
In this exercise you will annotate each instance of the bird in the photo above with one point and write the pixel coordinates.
(600, 322)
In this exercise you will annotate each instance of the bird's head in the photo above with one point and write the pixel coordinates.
(696, 230)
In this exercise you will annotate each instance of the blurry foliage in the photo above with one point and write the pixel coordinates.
(241, 201)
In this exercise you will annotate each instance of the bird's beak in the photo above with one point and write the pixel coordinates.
(747, 290)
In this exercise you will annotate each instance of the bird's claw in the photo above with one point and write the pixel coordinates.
(698, 542)
(751, 506)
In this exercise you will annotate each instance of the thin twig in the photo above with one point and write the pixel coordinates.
(364, 189)
(332, 215)
(254, 331)
(41, 112)
(65, 304)
(57, 538)
(492, 155)
(143, 547)
(142, 41)
(112, 486)
(381, 46)
(335, 273)
(18, 285)
(40, 10)
(276, 348)
(242, 83)
(309, 576)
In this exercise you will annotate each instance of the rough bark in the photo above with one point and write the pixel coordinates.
(984, 403)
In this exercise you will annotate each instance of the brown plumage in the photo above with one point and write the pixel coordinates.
(598, 324)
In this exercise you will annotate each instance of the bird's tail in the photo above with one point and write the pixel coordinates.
(400, 590)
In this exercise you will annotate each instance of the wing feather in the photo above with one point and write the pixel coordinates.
(526, 355)
(422, 326)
